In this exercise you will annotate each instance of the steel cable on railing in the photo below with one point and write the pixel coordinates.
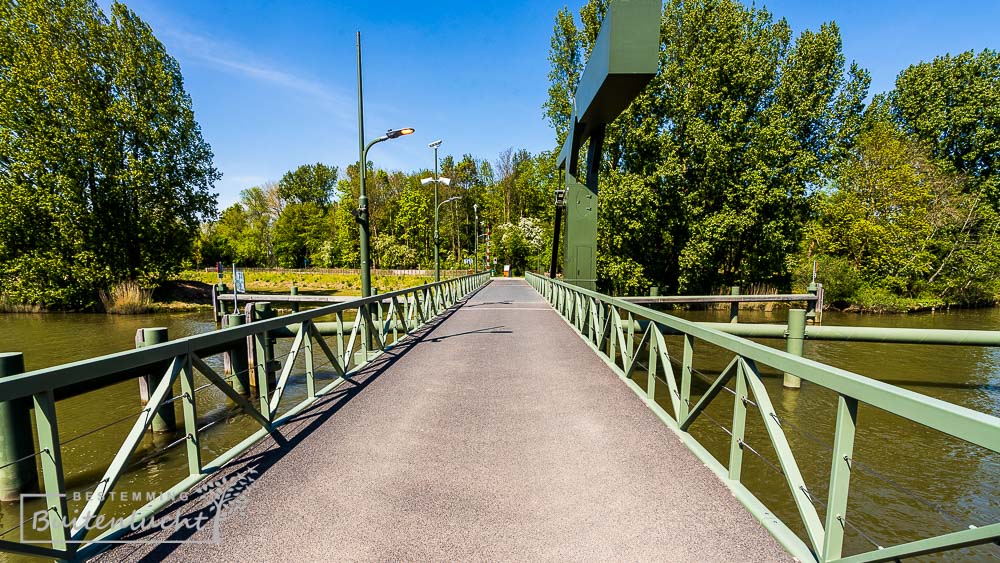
(25, 458)
(953, 518)
(821, 504)
(16, 526)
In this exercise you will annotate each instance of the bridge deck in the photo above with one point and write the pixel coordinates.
(497, 435)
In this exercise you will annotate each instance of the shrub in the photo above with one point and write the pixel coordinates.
(127, 298)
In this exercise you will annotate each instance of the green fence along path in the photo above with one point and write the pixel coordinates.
(388, 318)
(606, 324)
(495, 435)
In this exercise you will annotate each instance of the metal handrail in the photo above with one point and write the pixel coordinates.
(405, 311)
(602, 320)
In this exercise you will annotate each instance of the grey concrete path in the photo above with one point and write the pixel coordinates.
(498, 435)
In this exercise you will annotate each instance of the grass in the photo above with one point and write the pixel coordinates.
(281, 282)
(9, 307)
(126, 298)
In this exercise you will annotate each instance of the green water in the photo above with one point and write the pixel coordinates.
(914, 482)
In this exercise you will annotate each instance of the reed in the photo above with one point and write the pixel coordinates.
(126, 298)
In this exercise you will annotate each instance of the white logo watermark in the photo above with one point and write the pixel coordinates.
(226, 499)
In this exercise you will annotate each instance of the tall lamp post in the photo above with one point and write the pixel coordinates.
(437, 180)
(475, 225)
(362, 213)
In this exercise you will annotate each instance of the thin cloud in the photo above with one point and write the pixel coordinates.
(235, 60)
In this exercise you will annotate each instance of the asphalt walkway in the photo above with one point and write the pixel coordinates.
(496, 435)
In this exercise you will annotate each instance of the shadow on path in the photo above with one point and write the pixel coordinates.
(203, 505)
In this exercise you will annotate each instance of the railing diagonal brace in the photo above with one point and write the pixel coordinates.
(710, 394)
(227, 389)
(128, 447)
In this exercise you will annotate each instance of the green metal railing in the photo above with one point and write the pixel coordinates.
(398, 314)
(605, 323)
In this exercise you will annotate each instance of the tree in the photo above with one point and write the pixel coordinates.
(904, 222)
(517, 243)
(951, 103)
(104, 174)
(299, 232)
(309, 183)
(739, 124)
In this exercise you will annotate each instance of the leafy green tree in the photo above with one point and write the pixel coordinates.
(104, 174)
(518, 243)
(309, 183)
(905, 223)
(299, 232)
(740, 122)
(952, 104)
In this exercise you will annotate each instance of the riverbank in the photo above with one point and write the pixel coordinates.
(192, 290)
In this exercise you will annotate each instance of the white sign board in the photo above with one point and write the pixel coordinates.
(239, 282)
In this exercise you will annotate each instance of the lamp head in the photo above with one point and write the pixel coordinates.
(435, 144)
(394, 133)
(426, 181)
(445, 181)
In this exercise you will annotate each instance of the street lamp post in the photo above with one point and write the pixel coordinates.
(437, 270)
(437, 180)
(475, 226)
(362, 213)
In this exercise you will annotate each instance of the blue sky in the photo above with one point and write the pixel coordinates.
(273, 83)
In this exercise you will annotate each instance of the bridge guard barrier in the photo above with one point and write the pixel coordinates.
(383, 321)
(618, 330)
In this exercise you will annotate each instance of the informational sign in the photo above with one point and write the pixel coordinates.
(239, 282)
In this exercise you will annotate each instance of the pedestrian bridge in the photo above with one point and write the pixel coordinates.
(493, 419)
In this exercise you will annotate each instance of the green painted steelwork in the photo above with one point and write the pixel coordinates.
(824, 532)
(794, 338)
(17, 465)
(165, 420)
(623, 60)
(410, 309)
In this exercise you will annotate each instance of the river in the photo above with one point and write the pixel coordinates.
(911, 481)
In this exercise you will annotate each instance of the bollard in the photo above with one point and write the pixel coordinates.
(263, 311)
(165, 420)
(220, 305)
(15, 437)
(811, 305)
(734, 307)
(293, 293)
(795, 337)
(238, 359)
(654, 291)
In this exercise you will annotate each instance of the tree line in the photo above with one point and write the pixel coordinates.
(307, 217)
(104, 174)
(755, 152)
(106, 178)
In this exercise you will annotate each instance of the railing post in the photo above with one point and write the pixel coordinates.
(239, 358)
(306, 327)
(739, 425)
(52, 468)
(15, 436)
(189, 405)
(165, 419)
(265, 356)
(795, 337)
(840, 477)
(687, 364)
(734, 307)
